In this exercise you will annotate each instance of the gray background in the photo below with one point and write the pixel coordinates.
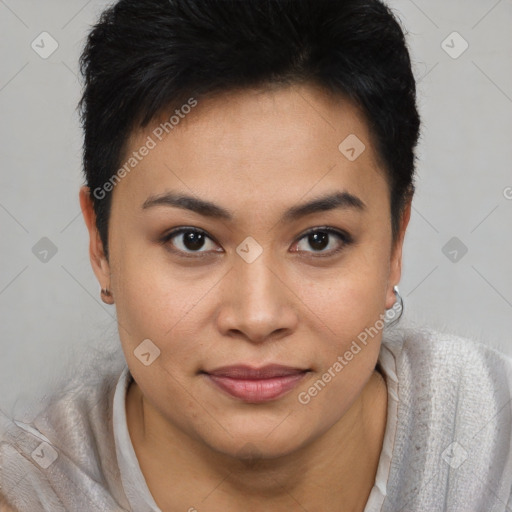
(51, 315)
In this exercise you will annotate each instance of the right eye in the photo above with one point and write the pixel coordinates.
(189, 240)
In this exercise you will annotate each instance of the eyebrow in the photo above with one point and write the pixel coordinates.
(336, 200)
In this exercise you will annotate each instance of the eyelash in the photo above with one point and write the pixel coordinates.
(345, 238)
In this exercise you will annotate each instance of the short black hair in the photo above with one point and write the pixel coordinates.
(146, 56)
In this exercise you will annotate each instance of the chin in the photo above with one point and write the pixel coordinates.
(258, 443)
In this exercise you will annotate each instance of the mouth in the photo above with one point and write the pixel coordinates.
(256, 385)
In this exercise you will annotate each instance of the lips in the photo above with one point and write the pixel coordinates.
(249, 373)
(256, 384)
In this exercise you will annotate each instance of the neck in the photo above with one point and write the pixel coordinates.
(335, 471)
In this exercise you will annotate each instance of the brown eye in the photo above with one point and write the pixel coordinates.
(321, 238)
(189, 241)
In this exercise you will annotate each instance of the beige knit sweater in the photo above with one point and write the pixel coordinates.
(447, 446)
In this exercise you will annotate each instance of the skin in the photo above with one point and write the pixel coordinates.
(255, 153)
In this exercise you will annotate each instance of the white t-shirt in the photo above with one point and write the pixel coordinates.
(447, 444)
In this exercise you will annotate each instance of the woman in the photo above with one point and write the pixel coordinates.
(249, 177)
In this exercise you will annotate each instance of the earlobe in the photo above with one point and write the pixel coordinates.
(99, 261)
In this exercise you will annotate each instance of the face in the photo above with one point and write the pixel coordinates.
(251, 279)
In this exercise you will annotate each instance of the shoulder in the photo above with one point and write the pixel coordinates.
(454, 425)
(450, 358)
(457, 379)
(62, 452)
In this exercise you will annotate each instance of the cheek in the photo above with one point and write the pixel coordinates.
(162, 302)
(149, 302)
(347, 351)
(349, 309)
(355, 323)
(353, 295)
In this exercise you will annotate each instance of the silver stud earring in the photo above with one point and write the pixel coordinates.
(393, 309)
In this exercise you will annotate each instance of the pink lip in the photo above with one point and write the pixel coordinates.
(256, 384)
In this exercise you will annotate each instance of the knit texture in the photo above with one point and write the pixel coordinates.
(447, 445)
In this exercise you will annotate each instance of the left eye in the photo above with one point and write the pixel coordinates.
(320, 238)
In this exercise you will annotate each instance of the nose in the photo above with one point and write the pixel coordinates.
(257, 302)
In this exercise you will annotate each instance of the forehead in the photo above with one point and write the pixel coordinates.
(286, 140)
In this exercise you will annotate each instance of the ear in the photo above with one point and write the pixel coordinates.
(99, 261)
(395, 270)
